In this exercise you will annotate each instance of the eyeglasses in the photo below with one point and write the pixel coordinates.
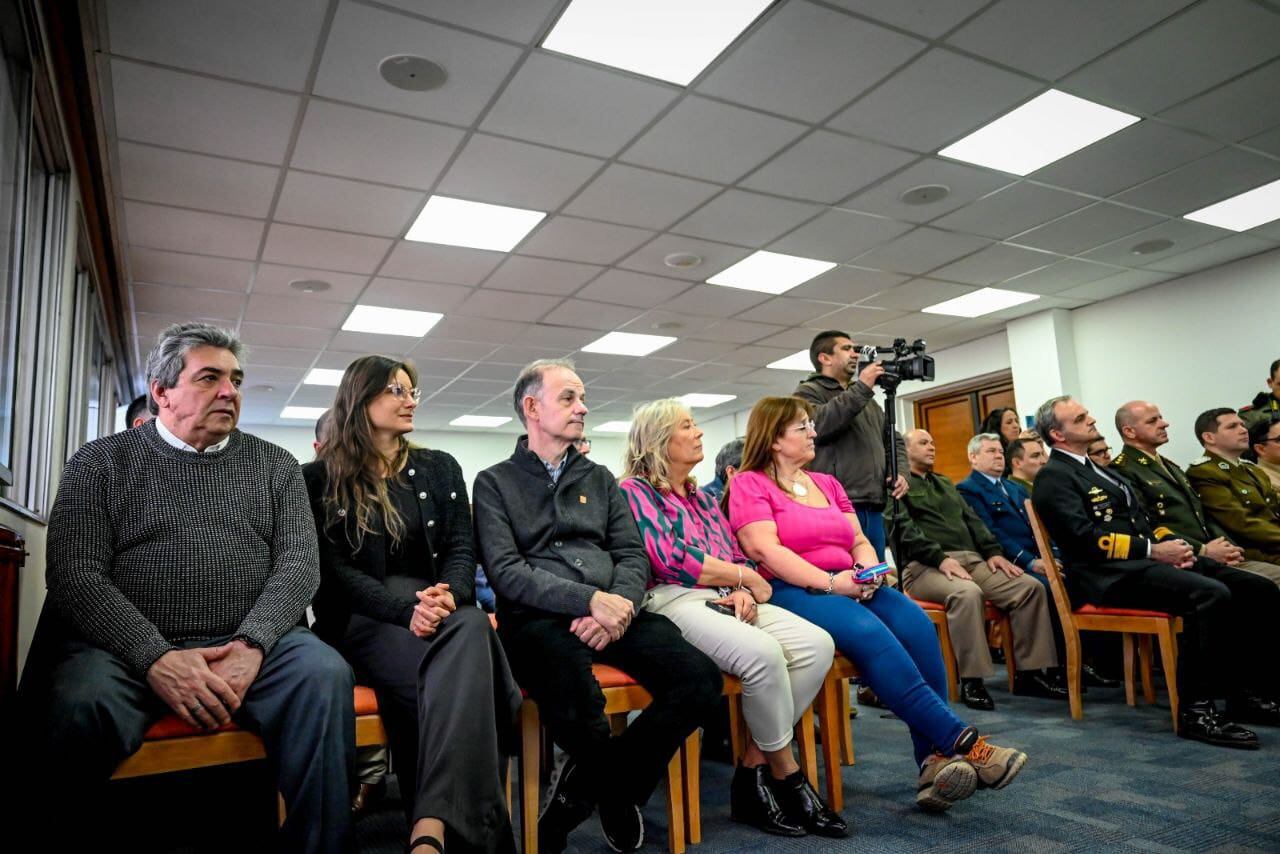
(804, 426)
(398, 392)
(1099, 452)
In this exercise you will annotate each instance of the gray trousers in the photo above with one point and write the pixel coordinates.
(449, 704)
(1023, 598)
(97, 711)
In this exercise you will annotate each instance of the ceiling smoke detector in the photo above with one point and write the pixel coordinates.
(682, 260)
(412, 73)
(264, 388)
(310, 286)
(926, 194)
(1151, 247)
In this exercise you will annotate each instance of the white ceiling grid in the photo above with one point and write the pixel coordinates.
(254, 144)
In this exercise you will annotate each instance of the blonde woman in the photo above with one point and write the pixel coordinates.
(703, 584)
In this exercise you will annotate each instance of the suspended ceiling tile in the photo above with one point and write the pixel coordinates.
(179, 230)
(572, 239)
(839, 235)
(431, 262)
(640, 197)
(507, 172)
(344, 205)
(329, 250)
(1086, 228)
(964, 184)
(920, 251)
(826, 167)
(1011, 210)
(542, 276)
(747, 219)
(197, 181)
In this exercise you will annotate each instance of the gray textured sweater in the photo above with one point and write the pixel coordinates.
(150, 546)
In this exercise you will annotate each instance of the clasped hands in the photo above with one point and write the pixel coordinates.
(434, 604)
(609, 619)
(846, 584)
(205, 686)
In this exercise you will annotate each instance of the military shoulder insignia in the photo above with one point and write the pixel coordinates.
(1248, 462)
(1224, 466)
(1198, 460)
(1094, 490)
(1119, 458)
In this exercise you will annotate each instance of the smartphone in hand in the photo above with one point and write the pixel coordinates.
(868, 574)
(727, 610)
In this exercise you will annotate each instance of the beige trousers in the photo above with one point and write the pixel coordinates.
(781, 659)
(1023, 598)
(1257, 567)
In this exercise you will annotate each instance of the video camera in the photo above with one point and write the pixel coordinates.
(909, 362)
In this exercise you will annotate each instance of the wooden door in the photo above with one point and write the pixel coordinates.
(953, 417)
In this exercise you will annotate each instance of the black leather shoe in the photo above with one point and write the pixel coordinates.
(867, 697)
(366, 796)
(802, 806)
(1251, 709)
(1090, 678)
(1200, 721)
(752, 802)
(974, 695)
(1032, 683)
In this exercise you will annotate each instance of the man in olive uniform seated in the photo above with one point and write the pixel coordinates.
(1265, 406)
(1236, 495)
(1026, 457)
(949, 556)
(1166, 494)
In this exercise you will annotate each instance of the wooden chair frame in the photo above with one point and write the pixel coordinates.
(1141, 625)
(937, 614)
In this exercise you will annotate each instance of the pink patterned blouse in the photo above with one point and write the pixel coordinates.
(679, 532)
(820, 535)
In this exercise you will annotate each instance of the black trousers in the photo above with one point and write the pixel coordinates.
(1226, 645)
(555, 668)
(449, 704)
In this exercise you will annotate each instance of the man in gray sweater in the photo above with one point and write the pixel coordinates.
(181, 557)
(564, 556)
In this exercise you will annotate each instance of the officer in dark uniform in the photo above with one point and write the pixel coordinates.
(1114, 558)
(1167, 495)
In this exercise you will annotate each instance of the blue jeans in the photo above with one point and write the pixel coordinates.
(896, 650)
(872, 524)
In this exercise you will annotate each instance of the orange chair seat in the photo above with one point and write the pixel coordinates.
(611, 677)
(172, 726)
(1087, 610)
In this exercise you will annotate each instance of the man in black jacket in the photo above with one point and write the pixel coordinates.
(851, 430)
(1114, 558)
(564, 555)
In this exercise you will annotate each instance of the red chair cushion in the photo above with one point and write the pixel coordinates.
(611, 677)
(172, 726)
(1096, 610)
(929, 606)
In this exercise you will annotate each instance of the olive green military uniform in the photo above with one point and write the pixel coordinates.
(1025, 484)
(1263, 407)
(1240, 500)
(1172, 504)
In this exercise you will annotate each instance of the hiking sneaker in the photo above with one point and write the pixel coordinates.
(561, 811)
(996, 766)
(622, 825)
(944, 780)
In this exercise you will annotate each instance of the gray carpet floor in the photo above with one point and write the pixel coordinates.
(1117, 780)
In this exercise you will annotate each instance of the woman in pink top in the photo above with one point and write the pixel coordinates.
(703, 584)
(802, 532)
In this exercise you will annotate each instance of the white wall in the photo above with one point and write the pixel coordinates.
(476, 451)
(1188, 345)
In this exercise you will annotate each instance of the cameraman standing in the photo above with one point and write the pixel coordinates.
(851, 427)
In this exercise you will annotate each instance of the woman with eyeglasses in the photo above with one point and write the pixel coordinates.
(803, 534)
(397, 599)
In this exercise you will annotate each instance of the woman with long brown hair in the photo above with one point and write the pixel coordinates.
(396, 598)
(801, 531)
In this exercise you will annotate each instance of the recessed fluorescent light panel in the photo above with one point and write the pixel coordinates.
(391, 321)
(324, 376)
(697, 400)
(671, 40)
(474, 225)
(794, 362)
(1242, 212)
(770, 272)
(614, 427)
(980, 302)
(302, 413)
(1045, 129)
(479, 421)
(628, 344)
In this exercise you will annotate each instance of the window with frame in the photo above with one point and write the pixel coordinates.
(15, 136)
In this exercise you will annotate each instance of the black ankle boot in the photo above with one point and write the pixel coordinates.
(801, 805)
(751, 802)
